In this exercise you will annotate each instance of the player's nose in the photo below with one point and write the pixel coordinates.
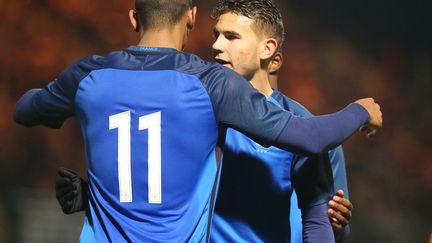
(217, 46)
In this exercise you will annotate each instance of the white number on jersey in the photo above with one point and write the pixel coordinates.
(152, 122)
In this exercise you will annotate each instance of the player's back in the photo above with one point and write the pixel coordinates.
(150, 135)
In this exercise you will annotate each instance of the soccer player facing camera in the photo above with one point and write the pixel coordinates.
(253, 203)
(151, 116)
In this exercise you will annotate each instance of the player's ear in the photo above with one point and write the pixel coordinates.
(133, 18)
(275, 63)
(269, 47)
(191, 17)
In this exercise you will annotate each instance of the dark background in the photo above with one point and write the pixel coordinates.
(335, 52)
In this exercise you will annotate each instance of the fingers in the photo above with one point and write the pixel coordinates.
(340, 210)
(63, 184)
(65, 189)
(344, 209)
(341, 205)
(62, 191)
(336, 226)
(369, 130)
(66, 207)
(337, 218)
(67, 198)
(340, 193)
(64, 172)
(371, 133)
(374, 111)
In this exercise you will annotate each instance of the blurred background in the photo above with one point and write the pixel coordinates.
(335, 52)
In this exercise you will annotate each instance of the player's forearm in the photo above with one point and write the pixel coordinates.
(316, 225)
(320, 133)
(24, 112)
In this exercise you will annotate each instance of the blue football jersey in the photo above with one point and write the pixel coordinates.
(150, 119)
(256, 202)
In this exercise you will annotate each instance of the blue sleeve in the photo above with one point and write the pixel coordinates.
(337, 160)
(312, 179)
(53, 104)
(23, 111)
(238, 105)
(316, 225)
(49, 106)
(320, 133)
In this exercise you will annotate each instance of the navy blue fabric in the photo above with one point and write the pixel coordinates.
(323, 132)
(23, 112)
(316, 225)
(312, 177)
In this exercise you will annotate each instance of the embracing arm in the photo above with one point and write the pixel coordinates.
(23, 112)
(316, 225)
(53, 104)
(319, 133)
(238, 105)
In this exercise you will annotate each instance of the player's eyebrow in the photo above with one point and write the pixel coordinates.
(232, 33)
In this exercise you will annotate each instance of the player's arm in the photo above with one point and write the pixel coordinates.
(340, 207)
(48, 106)
(316, 225)
(313, 182)
(320, 133)
(238, 105)
(71, 191)
(51, 105)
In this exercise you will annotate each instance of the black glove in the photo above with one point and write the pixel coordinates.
(71, 191)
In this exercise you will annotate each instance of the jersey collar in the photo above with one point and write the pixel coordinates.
(148, 49)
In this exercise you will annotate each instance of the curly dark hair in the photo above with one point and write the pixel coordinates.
(264, 13)
(160, 13)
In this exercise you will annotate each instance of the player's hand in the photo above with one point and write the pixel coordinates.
(340, 211)
(71, 191)
(374, 110)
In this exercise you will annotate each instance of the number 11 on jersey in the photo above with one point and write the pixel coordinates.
(152, 122)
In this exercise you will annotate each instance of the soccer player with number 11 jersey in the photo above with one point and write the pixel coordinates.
(151, 117)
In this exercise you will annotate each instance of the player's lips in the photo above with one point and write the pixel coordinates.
(223, 62)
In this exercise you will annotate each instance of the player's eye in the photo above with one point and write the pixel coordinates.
(231, 36)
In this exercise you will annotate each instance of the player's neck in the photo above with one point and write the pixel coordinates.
(261, 83)
(173, 37)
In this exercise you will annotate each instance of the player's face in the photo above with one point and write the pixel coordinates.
(236, 44)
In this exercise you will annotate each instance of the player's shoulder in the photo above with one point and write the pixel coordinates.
(81, 68)
(291, 105)
(195, 64)
(210, 73)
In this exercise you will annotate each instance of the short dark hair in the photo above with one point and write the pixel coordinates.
(160, 13)
(264, 13)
